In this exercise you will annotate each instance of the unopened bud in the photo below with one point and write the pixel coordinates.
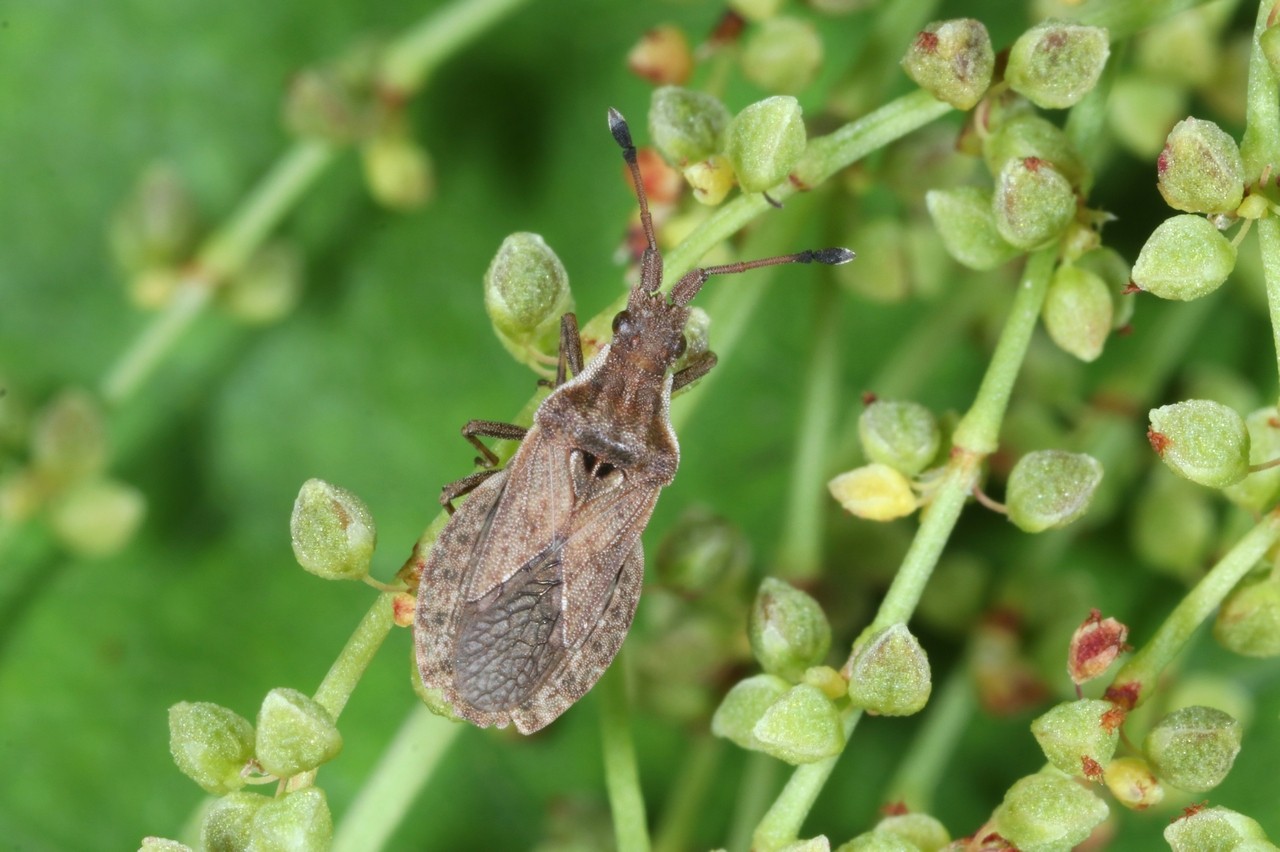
(1215, 828)
(157, 225)
(210, 744)
(1047, 811)
(228, 823)
(1054, 65)
(803, 726)
(526, 292)
(1077, 738)
(299, 821)
(97, 517)
(267, 288)
(788, 630)
(967, 227)
(68, 439)
(1028, 135)
(875, 492)
(765, 141)
(1114, 270)
(1185, 258)
(1200, 169)
(736, 717)
(398, 170)
(686, 125)
(1201, 440)
(1051, 488)
(1032, 203)
(333, 531)
(1094, 647)
(782, 55)
(1259, 489)
(325, 103)
(711, 179)
(924, 832)
(901, 434)
(1248, 622)
(1133, 784)
(662, 56)
(1193, 748)
(1077, 312)
(952, 60)
(888, 673)
(294, 733)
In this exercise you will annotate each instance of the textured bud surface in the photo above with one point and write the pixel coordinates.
(952, 60)
(1032, 203)
(1054, 64)
(802, 726)
(1201, 440)
(1200, 169)
(686, 125)
(1077, 312)
(735, 719)
(210, 744)
(788, 630)
(1075, 736)
(765, 141)
(1194, 748)
(903, 435)
(1248, 622)
(1051, 488)
(968, 230)
(1185, 258)
(1048, 812)
(889, 673)
(294, 733)
(332, 530)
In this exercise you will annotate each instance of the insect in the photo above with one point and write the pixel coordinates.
(532, 584)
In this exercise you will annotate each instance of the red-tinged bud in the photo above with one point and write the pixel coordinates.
(402, 609)
(1094, 647)
(662, 56)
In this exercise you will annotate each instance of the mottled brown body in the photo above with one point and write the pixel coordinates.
(532, 585)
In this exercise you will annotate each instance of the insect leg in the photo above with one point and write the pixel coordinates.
(465, 485)
(696, 370)
(474, 430)
(570, 349)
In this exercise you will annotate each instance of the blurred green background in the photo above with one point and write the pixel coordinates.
(366, 383)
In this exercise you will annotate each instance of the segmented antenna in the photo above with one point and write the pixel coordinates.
(692, 282)
(651, 261)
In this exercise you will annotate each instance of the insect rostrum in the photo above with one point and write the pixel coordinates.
(531, 586)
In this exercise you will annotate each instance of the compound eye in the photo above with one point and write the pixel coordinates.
(621, 323)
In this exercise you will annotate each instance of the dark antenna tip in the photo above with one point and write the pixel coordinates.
(833, 256)
(618, 127)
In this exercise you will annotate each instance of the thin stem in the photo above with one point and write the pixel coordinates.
(1269, 246)
(1133, 683)
(621, 776)
(800, 553)
(1260, 145)
(688, 795)
(349, 667)
(412, 57)
(920, 771)
(400, 775)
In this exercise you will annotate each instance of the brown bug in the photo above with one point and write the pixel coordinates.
(531, 586)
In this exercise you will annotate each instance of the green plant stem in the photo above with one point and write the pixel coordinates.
(1269, 246)
(800, 553)
(1133, 683)
(920, 771)
(349, 667)
(1260, 145)
(975, 437)
(411, 58)
(400, 775)
(621, 776)
(687, 799)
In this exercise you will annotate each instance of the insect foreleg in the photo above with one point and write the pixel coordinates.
(463, 486)
(570, 349)
(696, 370)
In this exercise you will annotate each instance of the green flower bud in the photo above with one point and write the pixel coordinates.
(1130, 780)
(398, 171)
(803, 726)
(710, 179)
(1249, 621)
(1107, 264)
(267, 288)
(97, 517)
(298, 822)
(163, 844)
(1185, 258)
(830, 681)
(888, 673)
(1216, 828)
(662, 56)
(788, 630)
(875, 492)
(69, 438)
(1032, 204)
(1051, 488)
(878, 841)
(1173, 525)
(157, 224)
(782, 55)
(967, 227)
(1028, 135)
(1077, 737)
(1201, 440)
(903, 435)
(1077, 312)
(1193, 748)
(701, 552)
(924, 832)
(1047, 811)
(685, 125)
(1258, 490)
(1141, 109)
(210, 744)
(756, 10)
(526, 292)
(1200, 169)
(228, 823)
(1054, 65)
(295, 734)
(333, 532)
(952, 60)
(329, 104)
(736, 717)
(765, 141)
